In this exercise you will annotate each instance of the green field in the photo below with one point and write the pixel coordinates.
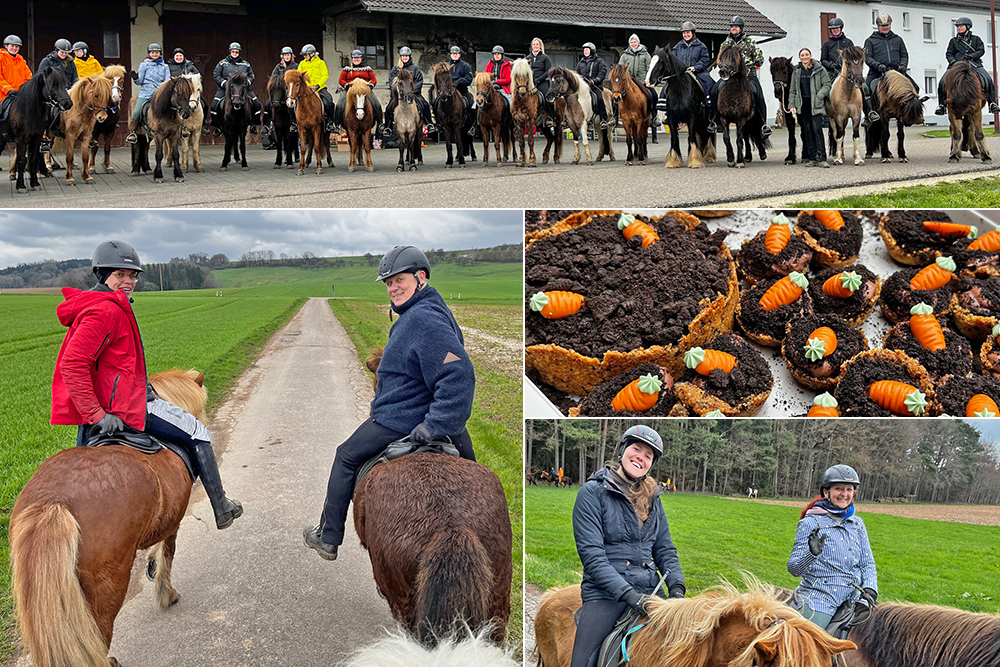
(973, 193)
(934, 562)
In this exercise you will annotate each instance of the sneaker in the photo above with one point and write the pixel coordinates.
(994, 108)
(873, 116)
(314, 540)
(941, 110)
(131, 138)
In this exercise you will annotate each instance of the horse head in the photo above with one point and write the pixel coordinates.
(730, 62)
(54, 89)
(898, 96)
(276, 90)
(781, 75)
(100, 91)
(443, 84)
(524, 80)
(404, 86)
(558, 83)
(484, 88)
(180, 96)
(620, 80)
(236, 89)
(852, 65)
(195, 98)
(116, 74)
(298, 87)
(659, 66)
(357, 96)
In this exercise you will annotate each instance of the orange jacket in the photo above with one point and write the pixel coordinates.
(13, 72)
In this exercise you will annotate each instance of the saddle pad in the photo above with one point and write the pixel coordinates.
(400, 448)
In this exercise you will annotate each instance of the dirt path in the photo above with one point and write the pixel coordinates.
(983, 515)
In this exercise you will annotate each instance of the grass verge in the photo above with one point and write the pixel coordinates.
(973, 193)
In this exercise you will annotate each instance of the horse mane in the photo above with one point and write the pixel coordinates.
(195, 80)
(483, 80)
(358, 87)
(441, 67)
(78, 90)
(856, 51)
(372, 364)
(402, 75)
(782, 65)
(898, 94)
(237, 76)
(962, 87)
(928, 635)
(113, 72)
(29, 99)
(302, 77)
(185, 389)
(522, 67)
(159, 104)
(573, 80)
(731, 55)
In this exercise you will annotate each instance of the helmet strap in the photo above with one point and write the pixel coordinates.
(103, 273)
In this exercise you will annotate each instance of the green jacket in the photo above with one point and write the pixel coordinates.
(819, 86)
(753, 57)
(637, 61)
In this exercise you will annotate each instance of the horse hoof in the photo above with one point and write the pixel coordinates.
(461, 165)
(24, 191)
(731, 164)
(245, 168)
(590, 163)
(88, 181)
(413, 167)
(109, 170)
(838, 161)
(277, 166)
(951, 159)
(158, 180)
(532, 165)
(299, 173)
(47, 174)
(178, 179)
(134, 174)
(399, 168)
(789, 161)
(174, 600)
(858, 163)
(371, 169)
(987, 160)
(71, 183)
(886, 160)
(223, 168)
(351, 169)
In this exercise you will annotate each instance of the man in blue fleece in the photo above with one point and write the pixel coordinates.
(425, 387)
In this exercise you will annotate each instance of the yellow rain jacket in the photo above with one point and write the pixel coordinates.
(88, 66)
(317, 71)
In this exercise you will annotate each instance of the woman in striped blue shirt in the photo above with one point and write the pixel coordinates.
(831, 551)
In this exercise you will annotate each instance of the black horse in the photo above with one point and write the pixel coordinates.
(35, 109)
(684, 96)
(452, 119)
(281, 118)
(736, 105)
(781, 75)
(236, 118)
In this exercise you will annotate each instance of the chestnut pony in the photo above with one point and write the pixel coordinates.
(75, 529)
(91, 104)
(307, 106)
(104, 132)
(494, 116)
(359, 120)
(634, 104)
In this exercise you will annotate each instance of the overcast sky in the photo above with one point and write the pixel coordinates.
(158, 235)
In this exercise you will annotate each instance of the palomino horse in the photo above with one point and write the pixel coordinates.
(91, 103)
(236, 117)
(717, 628)
(528, 110)
(191, 128)
(74, 534)
(407, 122)
(964, 97)
(34, 110)
(359, 120)
(685, 104)
(494, 116)
(104, 133)
(569, 87)
(736, 106)
(307, 106)
(898, 99)
(169, 107)
(845, 103)
(634, 105)
(781, 76)
(452, 120)
(281, 118)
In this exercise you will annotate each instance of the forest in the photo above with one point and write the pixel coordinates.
(923, 460)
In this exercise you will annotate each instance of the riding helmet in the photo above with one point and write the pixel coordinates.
(839, 474)
(964, 20)
(835, 22)
(688, 25)
(642, 434)
(737, 20)
(883, 19)
(12, 39)
(456, 49)
(63, 45)
(590, 45)
(81, 46)
(235, 46)
(403, 258)
(356, 53)
(115, 255)
(154, 47)
(307, 49)
(405, 51)
(498, 49)
(288, 50)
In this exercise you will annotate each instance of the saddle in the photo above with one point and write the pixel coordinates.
(400, 448)
(5, 106)
(145, 443)
(144, 114)
(614, 648)
(849, 614)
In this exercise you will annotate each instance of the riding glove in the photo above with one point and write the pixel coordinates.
(869, 596)
(678, 591)
(816, 542)
(134, 75)
(108, 424)
(420, 434)
(901, 68)
(635, 600)
(882, 69)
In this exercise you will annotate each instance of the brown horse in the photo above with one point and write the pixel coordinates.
(452, 120)
(191, 128)
(897, 99)
(91, 104)
(845, 103)
(104, 133)
(965, 97)
(359, 120)
(781, 77)
(718, 628)
(736, 105)
(75, 529)
(528, 110)
(307, 106)
(171, 104)
(569, 88)
(634, 105)
(494, 116)
(407, 121)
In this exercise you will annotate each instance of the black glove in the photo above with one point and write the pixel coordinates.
(816, 542)
(869, 596)
(107, 425)
(677, 591)
(134, 75)
(882, 69)
(635, 600)
(901, 68)
(420, 434)
(12, 93)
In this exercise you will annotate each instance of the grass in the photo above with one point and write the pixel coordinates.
(933, 562)
(945, 133)
(972, 193)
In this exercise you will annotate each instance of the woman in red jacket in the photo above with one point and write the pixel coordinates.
(100, 381)
(358, 71)
(499, 68)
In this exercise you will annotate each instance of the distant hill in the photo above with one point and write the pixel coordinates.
(47, 273)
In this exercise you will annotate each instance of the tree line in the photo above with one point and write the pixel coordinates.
(941, 460)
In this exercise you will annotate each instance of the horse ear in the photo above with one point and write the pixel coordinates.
(770, 59)
(200, 380)
(924, 98)
(767, 652)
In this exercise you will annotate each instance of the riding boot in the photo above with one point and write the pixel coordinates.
(387, 131)
(994, 108)
(226, 510)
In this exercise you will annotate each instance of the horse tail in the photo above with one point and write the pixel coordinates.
(452, 584)
(56, 624)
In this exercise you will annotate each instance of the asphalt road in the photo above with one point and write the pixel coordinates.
(603, 185)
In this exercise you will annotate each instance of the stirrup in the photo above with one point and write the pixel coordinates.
(45, 146)
(132, 138)
(430, 127)
(994, 108)
(93, 144)
(873, 116)
(387, 132)
(604, 124)
(940, 111)
(293, 127)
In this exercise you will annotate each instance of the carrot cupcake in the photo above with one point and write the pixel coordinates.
(883, 383)
(644, 391)
(908, 287)
(974, 396)
(815, 347)
(824, 405)
(834, 236)
(976, 306)
(930, 340)
(772, 253)
(978, 255)
(728, 375)
(770, 304)
(918, 237)
(851, 292)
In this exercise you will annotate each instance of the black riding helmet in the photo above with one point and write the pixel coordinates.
(964, 20)
(403, 258)
(82, 46)
(835, 22)
(839, 474)
(737, 20)
(646, 436)
(115, 255)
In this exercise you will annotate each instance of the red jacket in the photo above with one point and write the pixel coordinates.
(101, 367)
(13, 72)
(502, 76)
(349, 74)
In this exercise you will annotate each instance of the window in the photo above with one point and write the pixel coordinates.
(874, 17)
(928, 28)
(372, 42)
(112, 44)
(930, 82)
(954, 29)
(906, 20)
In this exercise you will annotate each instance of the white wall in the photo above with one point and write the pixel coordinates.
(145, 30)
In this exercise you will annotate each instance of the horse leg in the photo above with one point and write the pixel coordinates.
(899, 142)
(70, 143)
(228, 154)
(486, 144)
(741, 139)
(400, 166)
(531, 146)
(956, 137)
(302, 152)
(695, 158)
(175, 154)
(730, 159)
(886, 155)
(317, 142)
(790, 124)
(160, 560)
(243, 150)
(367, 143)
(673, 160)
(20, 162)
(497, 140)
(158, 172)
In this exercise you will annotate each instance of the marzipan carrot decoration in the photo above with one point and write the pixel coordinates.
(981, 405)
(638, 395)
(630, 227)
(925, 327)
(951, 230)
(990, 241)
(777, 235)
(824, 405)
(935, 275)
(705, 361)
(831, 218)
(898, 397)
(785, 291)
(556, 305)
(821, 343)
(842, 285)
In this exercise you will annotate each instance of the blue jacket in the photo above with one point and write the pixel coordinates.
(152, 74)
(846, 559)
(425, 374)
(695, 54)
(461, 75)
(616, 553)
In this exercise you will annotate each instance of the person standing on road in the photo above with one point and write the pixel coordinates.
(807, 96)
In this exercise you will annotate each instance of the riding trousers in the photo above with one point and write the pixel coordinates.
(166, 421)
(366, 442)
(597, 619)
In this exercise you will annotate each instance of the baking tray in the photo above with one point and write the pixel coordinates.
(787, 398)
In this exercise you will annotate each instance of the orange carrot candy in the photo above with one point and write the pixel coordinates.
(935, 275)
(821, 343)
(705, 361)
(925, 327)
(898, 397)
(785, 291)
(556, 305)
(630, 227)
(981, 405)
(842, 285)
(951, 230)
(638, 395)
(824, 405)
(777, 235)
(990, 241)
(831, 218)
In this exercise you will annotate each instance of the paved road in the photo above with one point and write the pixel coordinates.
(604, 185)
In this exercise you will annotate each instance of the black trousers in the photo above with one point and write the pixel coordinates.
(812, 133)
(602, 110)
(597, 618)
(367, 441)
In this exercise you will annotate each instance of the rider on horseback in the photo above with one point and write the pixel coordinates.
(884, 51)
(14, 72)
(152, 73)
(100, 379)
(225, 68)
(832, 61)
(85, 63)
(318, 74)
(540, 66)
(461, 78)
(594, 70)
(423, 106)
(969, 47)
(62, 57)
(694, 54)
(358, 70)
(499, 70)
(425, 387)
(179, 64)
(623, 538)
(286, 61)
(753, 58)
(843, 576)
